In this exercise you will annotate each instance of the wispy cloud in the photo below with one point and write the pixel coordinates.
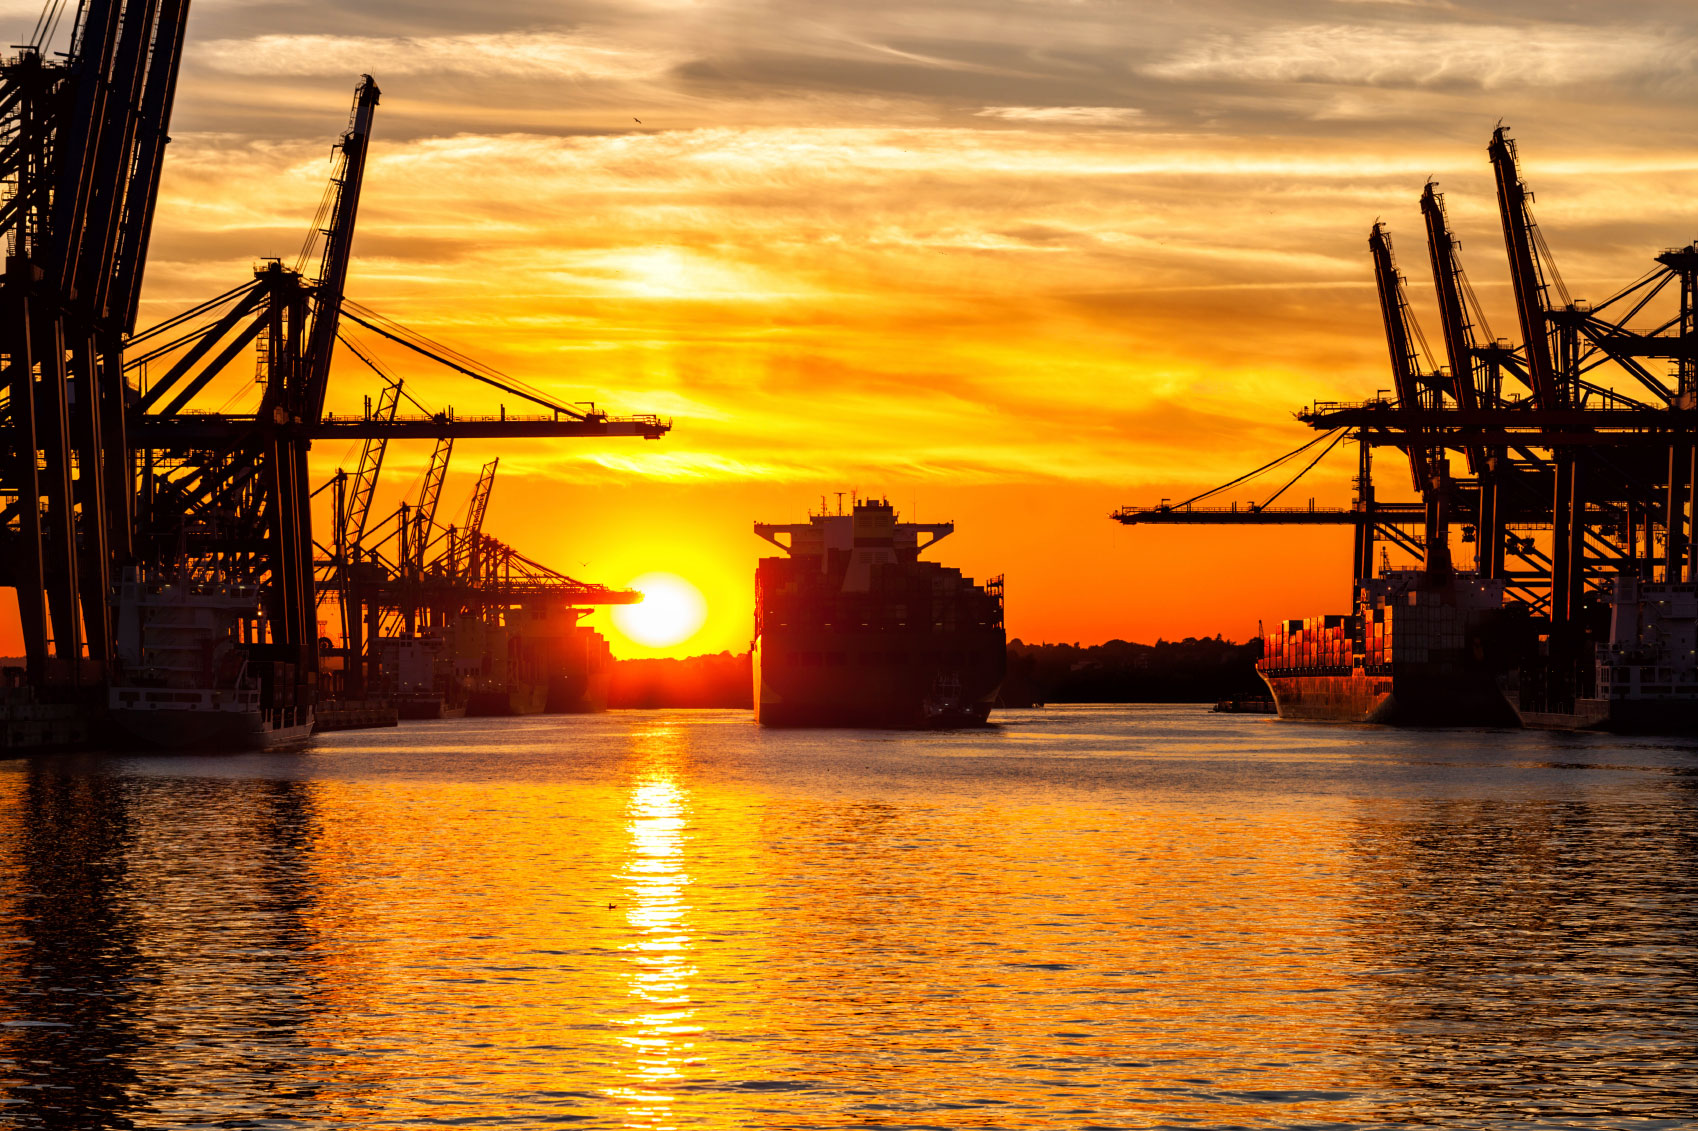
(510, 55)
(1484, 57)
(1071, 115)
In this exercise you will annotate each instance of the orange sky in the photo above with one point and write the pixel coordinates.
(1010, 262)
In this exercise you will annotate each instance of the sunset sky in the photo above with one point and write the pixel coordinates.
(1011, 263)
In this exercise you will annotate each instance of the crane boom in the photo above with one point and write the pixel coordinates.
(424, 514)
(159, 92)
(1468, 379)
(1448, 282)
(338, 249)
(474, 515)
(371, 463)
(1520, 237)
(1400, 336)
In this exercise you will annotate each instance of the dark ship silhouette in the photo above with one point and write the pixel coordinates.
(852, 629)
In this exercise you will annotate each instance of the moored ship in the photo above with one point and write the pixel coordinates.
(539, 660)
(853, 629)
(185, 676)
(1413, 653)
(1641, 679)
(419, 677)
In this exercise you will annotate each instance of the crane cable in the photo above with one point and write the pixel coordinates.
(1269, 501)
(47, 23)
(1271, 464)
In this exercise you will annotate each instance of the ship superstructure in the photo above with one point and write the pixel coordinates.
(1643, 678)
(853, 629)
(189, 672)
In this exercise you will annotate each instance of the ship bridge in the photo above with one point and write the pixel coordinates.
(868, 536)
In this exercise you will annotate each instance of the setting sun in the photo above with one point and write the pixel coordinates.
(672, 610)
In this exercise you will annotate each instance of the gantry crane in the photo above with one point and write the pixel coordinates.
(231, 488)
(424, 512)
(465, 560)
(1598, 452)
(84, 137)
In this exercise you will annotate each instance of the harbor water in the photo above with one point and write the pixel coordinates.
(1086, 917)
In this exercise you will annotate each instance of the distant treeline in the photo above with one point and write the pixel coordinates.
(1183, 671)
(721, 680)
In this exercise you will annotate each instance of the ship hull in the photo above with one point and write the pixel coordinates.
(872, 716)
(522, 699)
(577, 693)
(428, 707)
(214, 730)
(1399, 699)
(866, 689)
(1620, 716)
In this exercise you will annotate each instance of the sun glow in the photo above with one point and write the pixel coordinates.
(671, 611)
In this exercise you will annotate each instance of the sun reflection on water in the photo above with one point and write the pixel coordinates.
(659, 953)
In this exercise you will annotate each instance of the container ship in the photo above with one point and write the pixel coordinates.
(1641, 678)
(539, 660)
(1412, 653)
(188, 673)
(419, 677)
(853, 629)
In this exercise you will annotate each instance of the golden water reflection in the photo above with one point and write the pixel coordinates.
(679, 922)
(659, 954)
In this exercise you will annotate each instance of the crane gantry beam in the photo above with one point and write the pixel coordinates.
(198, 428)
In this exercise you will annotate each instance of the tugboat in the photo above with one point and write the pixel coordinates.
(183, 676)
(852, 629)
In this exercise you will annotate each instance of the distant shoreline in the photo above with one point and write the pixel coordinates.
(1192, 670)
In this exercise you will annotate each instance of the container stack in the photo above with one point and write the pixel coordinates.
(1327, 645)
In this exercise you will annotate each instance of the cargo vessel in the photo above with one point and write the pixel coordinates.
(1413, 653)
(187, 676)
(418, 677)
(853, 629)
(538, 660)
(1641, 679)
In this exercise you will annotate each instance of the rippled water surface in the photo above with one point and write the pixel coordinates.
(1088, 917)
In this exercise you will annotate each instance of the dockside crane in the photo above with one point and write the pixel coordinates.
(466, 560)
(1549, 345)
(357, 510)
(234, 497)
(421, 524)
(1419, 386)
(330, 287)
(1473, 379)
(83, 140)
(232, 487)
(1410, 370)
(1522, 243)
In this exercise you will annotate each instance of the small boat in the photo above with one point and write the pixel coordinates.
(947, 708)
(1246, 705)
